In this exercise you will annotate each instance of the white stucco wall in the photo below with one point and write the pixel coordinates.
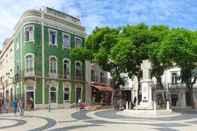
(7, 66)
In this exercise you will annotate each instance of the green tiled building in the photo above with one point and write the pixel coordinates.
(44, 72)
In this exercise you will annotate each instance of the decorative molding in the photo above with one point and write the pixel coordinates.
(74, 29)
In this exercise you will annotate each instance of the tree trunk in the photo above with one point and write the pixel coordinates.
(116, 94)
(159, 82)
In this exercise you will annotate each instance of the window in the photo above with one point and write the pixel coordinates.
(29, 63)
(66, 94)
(174, 78)
(102, 77)
(93, 75)
(53, 65)
(52, 37)
(66, 69)
(78, 42)
(53, 95)
(66, 41)
(29, 33)
(78, 71)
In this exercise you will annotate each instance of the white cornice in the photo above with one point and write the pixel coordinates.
(50, 23)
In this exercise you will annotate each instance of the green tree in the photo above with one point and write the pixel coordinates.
(136, 37)
(159, 65)
(180, 48)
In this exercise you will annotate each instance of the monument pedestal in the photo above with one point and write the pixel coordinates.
(146, 86)
(147, 102)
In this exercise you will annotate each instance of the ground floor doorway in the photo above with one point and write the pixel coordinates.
(29, 98)
(78, 95)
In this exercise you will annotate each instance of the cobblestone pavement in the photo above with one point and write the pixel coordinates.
(102, 120)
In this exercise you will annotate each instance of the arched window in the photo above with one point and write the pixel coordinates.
(78, 71)
(53, 65)
(66, 69)
(29, 33)
(29, 64)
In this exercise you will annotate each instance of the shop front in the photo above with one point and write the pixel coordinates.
(101, 94)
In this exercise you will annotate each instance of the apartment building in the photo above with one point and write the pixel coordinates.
(39, 69)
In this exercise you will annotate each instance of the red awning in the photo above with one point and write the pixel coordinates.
(103, 88)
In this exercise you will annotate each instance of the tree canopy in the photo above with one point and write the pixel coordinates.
(122, 50)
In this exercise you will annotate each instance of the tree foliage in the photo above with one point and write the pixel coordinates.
(122, 50)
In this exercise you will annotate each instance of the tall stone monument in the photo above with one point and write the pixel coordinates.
(146, 86)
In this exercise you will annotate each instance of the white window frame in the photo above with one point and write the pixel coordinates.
(56, 93)
(51, 73)
(33, 61)
(69, 37)
(76, 37)
(27, 26)
(174, 78)
(49, 36)
(69, 64)
(81, 69)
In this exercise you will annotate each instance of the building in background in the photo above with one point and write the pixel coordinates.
(99, 90)
(7, 70)
(35, 61)
(174, 91)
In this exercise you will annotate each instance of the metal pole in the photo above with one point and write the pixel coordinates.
(49, 100)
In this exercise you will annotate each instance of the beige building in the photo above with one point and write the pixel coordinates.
(7, 70)
(98, 88)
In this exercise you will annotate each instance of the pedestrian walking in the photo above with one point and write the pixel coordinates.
(5, 105)
(20, 107)
(32, 104)
(14, 105)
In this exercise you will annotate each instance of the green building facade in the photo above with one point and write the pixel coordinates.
(45, 75)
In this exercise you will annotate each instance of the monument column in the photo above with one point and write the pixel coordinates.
(146, 85)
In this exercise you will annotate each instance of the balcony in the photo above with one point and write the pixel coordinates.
(66, 76)
(78, 76)
(176, 85)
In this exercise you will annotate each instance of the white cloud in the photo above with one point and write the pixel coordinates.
(109, 12)
(11, 10)
(91, 21)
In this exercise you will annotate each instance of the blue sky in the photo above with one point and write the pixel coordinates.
(174, 13)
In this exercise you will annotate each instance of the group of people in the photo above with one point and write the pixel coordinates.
(18, 106)
(4, 105)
